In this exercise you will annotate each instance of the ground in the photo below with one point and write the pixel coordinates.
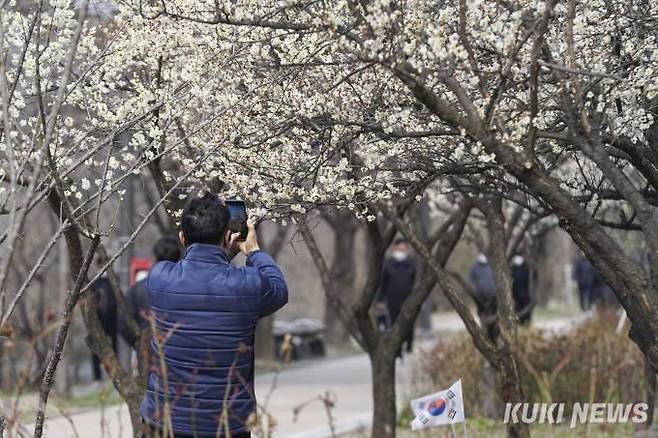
(489, 429)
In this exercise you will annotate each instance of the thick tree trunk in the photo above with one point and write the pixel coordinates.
(504, 362)
(384, 417)
(509, 383)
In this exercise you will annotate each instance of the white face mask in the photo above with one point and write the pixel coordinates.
(517, 260)
(482, 258)
(399, 255)
(141, 275)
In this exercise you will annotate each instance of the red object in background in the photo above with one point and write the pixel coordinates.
(138, 264)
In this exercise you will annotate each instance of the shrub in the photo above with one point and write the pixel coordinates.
(590, 362)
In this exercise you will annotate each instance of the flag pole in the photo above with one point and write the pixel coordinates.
(464, 426)
(454, 432)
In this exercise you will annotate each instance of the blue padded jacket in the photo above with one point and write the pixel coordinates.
(205, 312)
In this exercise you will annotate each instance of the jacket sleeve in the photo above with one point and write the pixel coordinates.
(274, 289)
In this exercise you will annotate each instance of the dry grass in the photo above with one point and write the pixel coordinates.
(489, 429)
(588, 363)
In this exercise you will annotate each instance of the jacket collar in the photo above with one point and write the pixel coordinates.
(202, 252)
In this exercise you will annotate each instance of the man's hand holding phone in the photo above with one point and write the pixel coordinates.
(243, 237)
(250, 244)
(246, 246)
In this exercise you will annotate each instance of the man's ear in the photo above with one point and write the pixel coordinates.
(181, 237)
(226, 239)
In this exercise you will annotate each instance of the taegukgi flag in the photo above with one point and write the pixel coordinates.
(443, 407)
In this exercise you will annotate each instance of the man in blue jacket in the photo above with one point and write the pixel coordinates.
(201, 382)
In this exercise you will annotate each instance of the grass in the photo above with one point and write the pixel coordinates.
(94, 399)
(104, 396)
(487, 428)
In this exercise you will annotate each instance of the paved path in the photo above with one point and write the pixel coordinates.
(348, 379)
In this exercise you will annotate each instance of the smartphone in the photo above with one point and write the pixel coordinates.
(238, 220)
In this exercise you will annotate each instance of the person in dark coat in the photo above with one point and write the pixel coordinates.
(602, 294)
(592, 287)
(205, 313)
(166, 248)
(107, 314)
(482, 279)
(586, 278)
(397, 283)
(523, 303)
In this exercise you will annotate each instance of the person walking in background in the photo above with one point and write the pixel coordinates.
(592, 287)
(602, 294)
(523, 303)
(585, 277)
(107, 314)
(482, 280)
(205, 311)
(167, 248)
(397, 283)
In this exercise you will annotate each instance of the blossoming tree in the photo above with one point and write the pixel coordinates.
(296, 105)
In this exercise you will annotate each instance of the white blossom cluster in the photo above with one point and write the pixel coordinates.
(296, 105)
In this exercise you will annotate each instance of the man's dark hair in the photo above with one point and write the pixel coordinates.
(399, 241)
(167, 248)
(204, 220)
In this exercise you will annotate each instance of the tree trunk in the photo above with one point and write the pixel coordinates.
(342, 272)
(509, 383)
(99, 343)
(129, 389)
(63, 372)
(384, 417)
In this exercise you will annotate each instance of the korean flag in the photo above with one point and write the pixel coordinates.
(443, 407)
